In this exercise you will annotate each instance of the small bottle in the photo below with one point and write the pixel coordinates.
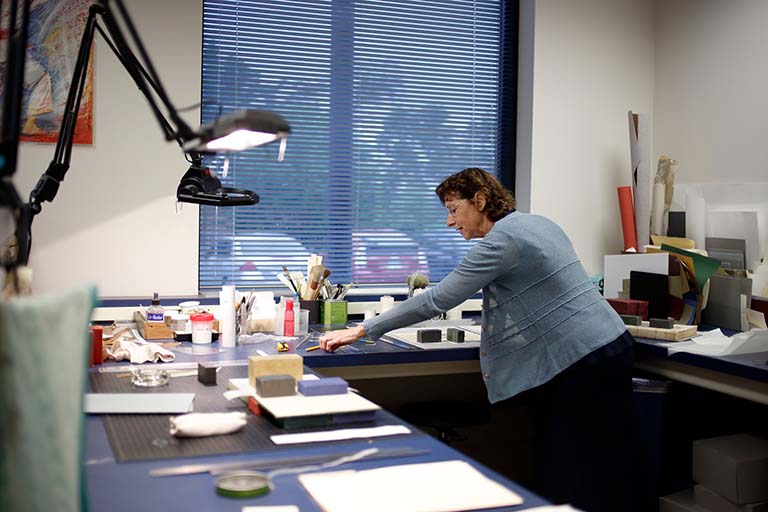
(155, 312)
(289, 320)
(296, 314)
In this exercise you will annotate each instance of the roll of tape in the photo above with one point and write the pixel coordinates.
(242, 484)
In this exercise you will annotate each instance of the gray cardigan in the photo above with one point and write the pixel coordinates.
(541, 313)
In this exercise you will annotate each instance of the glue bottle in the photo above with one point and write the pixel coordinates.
(289, 320)
(155, 312)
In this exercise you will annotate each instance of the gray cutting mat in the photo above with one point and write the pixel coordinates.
(136, 437)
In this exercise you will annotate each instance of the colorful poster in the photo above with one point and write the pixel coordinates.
(55, 30)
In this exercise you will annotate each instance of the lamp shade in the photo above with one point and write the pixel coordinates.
(239, 131)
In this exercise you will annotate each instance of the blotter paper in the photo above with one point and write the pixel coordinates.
(433, 487)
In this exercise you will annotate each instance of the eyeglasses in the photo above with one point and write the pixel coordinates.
(453, 208)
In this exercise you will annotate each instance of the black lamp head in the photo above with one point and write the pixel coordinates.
(200, 185)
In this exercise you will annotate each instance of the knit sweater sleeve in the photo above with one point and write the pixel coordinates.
(482, 264)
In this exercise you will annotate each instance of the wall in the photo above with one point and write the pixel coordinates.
(114, 221)
(710, 103)
(696, 65)
(592, 61)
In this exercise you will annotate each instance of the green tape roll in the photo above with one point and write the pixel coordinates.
(242, 484)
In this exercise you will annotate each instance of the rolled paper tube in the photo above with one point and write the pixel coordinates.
(227, 316)
(627, 218)
(657, 209)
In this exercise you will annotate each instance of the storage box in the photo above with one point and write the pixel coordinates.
(151, 330)
(735, 467)
(710, 500)
(335, 312)
(680, 502)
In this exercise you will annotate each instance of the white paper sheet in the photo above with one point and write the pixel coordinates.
(715, 343)
(433, 487)
(278, 508)
(741, 225)
(408, 335)
(743, 197)
(337, 435)
(616, 268)
(138, 403)
(299, 405)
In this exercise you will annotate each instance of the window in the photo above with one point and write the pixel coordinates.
(384, 98)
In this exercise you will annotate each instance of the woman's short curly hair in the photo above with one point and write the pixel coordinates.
(465, 184)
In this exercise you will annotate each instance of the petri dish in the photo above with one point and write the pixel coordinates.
(149, 377)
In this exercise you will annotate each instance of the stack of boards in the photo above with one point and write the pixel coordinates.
(302, 400)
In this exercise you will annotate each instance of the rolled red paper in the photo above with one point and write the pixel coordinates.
(627, 218)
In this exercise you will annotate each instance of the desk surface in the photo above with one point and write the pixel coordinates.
(129, 487)
(744, 375)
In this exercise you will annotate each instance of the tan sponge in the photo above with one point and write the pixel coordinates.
(283, 364)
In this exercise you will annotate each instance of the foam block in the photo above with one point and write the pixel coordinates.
(631, 319)
(661, 323)
(206, 373)
(283, 364)
(428, 335)
(454, 334)
(327, 386)
(275, 385)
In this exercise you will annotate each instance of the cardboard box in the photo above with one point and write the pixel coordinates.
(680, 502)
(735, 467)
(710, 500)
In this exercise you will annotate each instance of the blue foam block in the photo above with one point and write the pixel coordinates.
(326, 386)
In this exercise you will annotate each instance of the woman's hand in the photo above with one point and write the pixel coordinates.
(335, 339)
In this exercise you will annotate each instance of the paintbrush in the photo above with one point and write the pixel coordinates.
(313, 282)
(290, 279)
(321, 284)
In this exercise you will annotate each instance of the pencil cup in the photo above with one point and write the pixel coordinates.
(313, 306)
(335, 312)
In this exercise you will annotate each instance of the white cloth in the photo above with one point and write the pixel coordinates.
(139, 352)
(200, 424)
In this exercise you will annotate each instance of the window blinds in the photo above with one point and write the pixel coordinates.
(385, 99)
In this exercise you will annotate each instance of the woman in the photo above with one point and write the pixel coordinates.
(546, 332)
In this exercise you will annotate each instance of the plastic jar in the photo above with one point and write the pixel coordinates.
(202, 327)
(179, 322)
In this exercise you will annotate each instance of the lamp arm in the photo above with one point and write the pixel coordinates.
(146, 80)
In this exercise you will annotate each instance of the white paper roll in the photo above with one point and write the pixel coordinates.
(657, 209)
(386, 303)
(695, 218)
(227, 316)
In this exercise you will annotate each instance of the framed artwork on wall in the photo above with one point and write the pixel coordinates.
(55, 30)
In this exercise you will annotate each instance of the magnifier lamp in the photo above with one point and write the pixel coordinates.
(233, 132)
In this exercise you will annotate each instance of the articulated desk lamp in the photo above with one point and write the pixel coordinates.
(233, 132)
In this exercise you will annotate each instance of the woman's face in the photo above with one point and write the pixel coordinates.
(467, 217)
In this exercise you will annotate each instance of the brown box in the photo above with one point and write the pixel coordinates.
(735, 467)
(710, 500)
(151, 330)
